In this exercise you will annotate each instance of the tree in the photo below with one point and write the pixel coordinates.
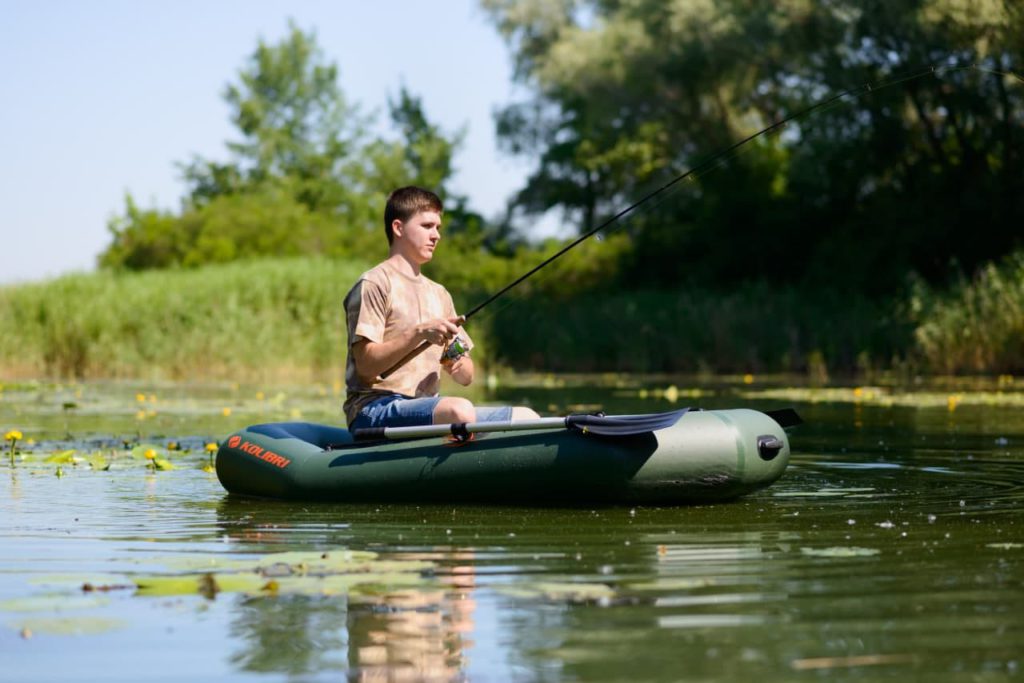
(624, 94)
(303, 177)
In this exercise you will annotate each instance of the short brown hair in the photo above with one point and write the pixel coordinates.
(406, 202)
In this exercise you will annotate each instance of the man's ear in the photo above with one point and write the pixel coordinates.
(397, 227)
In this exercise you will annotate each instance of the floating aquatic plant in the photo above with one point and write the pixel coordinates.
(211, 448)
(154, 461)
(303, 573)
(840, 551)
(561, 592)
(12, 437)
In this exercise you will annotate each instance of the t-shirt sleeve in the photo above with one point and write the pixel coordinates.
(366, 309)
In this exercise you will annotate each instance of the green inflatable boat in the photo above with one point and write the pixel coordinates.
(682, 457)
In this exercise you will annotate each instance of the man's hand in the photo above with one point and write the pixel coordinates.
(439, 331)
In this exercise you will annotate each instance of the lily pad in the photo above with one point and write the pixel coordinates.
(672, 584)
(561, 592)
(53, 603)
(207, 585)
(307, 573)
(67, 457)
(840, 551)
(67, 626)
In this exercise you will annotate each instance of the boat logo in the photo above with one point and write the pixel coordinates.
(234, 441)
(264, 454)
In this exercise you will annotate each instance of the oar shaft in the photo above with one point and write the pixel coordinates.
(457, 428)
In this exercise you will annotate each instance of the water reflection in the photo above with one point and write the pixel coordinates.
(892, 548)
(419, 634)
(293, 634)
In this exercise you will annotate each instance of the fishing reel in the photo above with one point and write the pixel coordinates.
(455, 350)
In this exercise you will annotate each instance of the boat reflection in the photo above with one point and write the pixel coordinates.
(381, 634)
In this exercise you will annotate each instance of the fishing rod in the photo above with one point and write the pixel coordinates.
(704, 165)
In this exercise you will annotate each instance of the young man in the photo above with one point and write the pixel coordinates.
(391, 310)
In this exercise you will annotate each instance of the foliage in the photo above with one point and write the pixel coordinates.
(257, 317)
(305, 177)
(756, 328)
(978, 326)
(854, 196)
(268, 318)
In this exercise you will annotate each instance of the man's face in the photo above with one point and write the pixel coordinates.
(418, 236)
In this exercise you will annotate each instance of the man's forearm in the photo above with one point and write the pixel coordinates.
(373, 358)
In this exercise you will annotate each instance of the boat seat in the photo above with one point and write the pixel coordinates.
(319, 435)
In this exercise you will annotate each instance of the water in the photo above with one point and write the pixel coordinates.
(893, 547)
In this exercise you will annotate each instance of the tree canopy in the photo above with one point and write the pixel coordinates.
(304, 176)
(918, 176)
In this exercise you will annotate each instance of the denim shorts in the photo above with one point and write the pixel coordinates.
(400, 411)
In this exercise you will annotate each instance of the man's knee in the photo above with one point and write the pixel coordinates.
(524, 413)
(454, 409)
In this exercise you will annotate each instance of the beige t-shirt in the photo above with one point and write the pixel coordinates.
(383, 302)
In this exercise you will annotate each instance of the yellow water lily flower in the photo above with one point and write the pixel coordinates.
(150, 454)
(211, 447)
(13, 435)
(226, 412)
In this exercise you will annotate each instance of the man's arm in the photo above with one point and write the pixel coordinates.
(373, 358)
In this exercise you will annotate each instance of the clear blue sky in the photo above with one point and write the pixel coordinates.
(103, 97)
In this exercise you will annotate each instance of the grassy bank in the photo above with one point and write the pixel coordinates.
(260, 318)
(753, 329)
(283, 319)
(978, 325)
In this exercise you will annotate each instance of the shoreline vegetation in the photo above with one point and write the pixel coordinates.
(283, 318)
(830, 250)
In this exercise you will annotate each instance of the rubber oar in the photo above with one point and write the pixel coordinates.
(786, 417)
(603, 425)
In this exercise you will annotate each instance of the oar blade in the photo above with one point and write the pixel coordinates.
(624, 425)
(786, 417)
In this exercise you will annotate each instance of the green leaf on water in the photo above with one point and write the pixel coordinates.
(63, 458)
(560, 592)
(840, 551)
(306, 573)
(77, 580)
(197, 584)
(209, 585)
(139, 451)
(67, 626)
(671, 584)
(98, 462)
(52, 603)
(162, 464)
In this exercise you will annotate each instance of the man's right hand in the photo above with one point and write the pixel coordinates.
(439, 331)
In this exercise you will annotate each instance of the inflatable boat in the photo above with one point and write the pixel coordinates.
(682, 457)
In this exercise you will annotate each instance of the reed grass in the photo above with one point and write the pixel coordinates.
(283, 319)
(259, 317)
(756, 328)
(978, 325)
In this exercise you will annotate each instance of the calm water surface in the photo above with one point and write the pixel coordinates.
(893, 548)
